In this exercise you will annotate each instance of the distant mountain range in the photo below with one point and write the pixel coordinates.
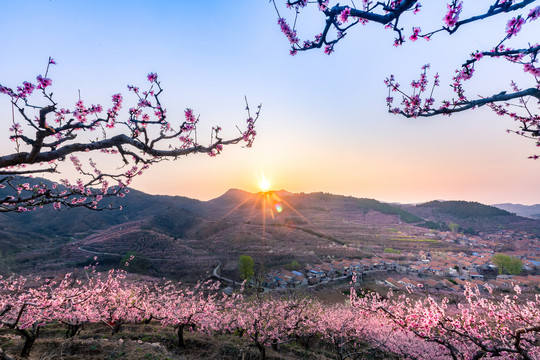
(178, 236)
(530, 211)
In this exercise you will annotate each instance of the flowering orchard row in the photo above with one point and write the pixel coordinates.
(480, 327)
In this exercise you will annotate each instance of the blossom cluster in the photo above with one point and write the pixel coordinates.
(452, 15)
(134, 142)
(424, 329)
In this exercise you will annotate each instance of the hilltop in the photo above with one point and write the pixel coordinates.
(180, 237)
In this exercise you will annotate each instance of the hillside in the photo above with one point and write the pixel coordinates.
(472, 216)
(180, 237)
(531, 211)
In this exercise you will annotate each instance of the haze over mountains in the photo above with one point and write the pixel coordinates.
(181, 237)
(531, 211)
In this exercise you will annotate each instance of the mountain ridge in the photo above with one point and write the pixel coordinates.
(191, 236)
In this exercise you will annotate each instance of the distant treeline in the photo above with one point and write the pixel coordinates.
(465, 209)
(441, 226)
(370, 204)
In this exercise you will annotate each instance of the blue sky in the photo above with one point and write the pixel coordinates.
(324, 125)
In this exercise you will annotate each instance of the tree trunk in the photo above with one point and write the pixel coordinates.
(4, 356)
(117, 327)
(29, 339)
(262, 350)
(180, 332)
(304, 340)
(73, 329)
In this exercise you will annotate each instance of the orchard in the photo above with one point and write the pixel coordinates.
(481, 326)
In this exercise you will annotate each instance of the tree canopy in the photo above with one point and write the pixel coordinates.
(246, 267)
(507, 264)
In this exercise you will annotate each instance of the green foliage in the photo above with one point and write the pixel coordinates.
(246, 267)
(470, 231)
(507, 264)
(370, 204)
(454, 227)
(465, 209)
(293, 265)
(391, 251)
(435, 225)
(137, 263)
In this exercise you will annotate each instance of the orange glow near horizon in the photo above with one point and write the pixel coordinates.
(264, 184)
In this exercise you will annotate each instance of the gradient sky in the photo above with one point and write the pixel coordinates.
(324, 124)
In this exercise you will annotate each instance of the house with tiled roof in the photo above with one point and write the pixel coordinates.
(408, 283)
(389, 264)
(432, 284)
(394, 284)
(315, 272)
(476, 276)
(450, 285)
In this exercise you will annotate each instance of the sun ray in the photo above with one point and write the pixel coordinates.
(237, 206)
(264, 184)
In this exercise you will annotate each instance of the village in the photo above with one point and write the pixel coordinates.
(430, 270)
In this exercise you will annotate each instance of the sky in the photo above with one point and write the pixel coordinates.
(324, 124)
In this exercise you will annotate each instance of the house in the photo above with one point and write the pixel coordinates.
(394, 284)
(495, 284)
(431, 283)
(476, 276)
(437, 270)
(446, 283)
(366, 265)
(461, 283)
(389, 264)
(407, 283)
(328, 269)
(356, 265)
(416, 269)
(315, 272)
(300, 280)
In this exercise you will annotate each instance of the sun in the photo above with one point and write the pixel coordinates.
(264, 184)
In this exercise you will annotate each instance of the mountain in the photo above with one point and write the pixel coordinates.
(179, 237)
(472, 216)
(530, 211)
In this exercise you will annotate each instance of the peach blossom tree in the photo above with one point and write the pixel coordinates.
(519, 102)
(46, 135)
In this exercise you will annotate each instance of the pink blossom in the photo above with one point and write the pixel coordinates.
(534, 13)
(531, 69)
(289, 33)
(514, 26)
(328, 49)
(344, 16)
(152, 77)
(452, 16)
(43, 82)
(414, 36)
